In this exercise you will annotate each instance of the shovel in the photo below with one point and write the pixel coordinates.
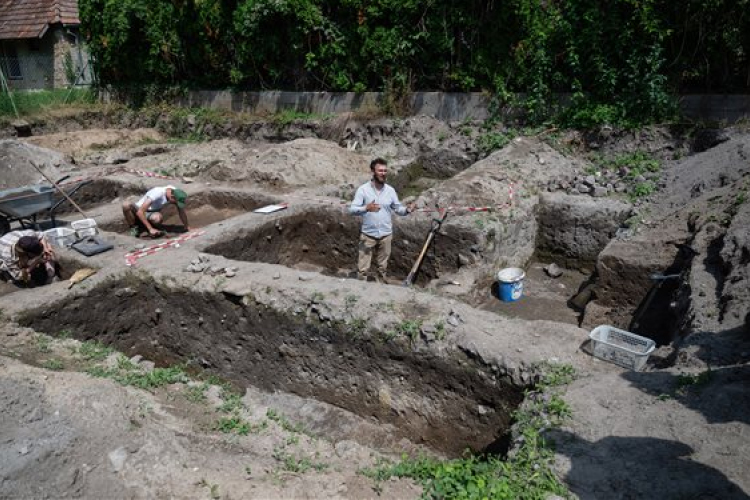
(436, 223)
(81, 275)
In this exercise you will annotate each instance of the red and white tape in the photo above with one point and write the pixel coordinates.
(132, 257)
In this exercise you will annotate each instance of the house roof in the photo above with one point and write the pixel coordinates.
(32, 18)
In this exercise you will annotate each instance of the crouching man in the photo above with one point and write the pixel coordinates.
(143, 214)
(27, 259)
(376, 202)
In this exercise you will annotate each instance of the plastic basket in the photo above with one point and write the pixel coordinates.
(621, 347)
(84, 227)
(61, 236)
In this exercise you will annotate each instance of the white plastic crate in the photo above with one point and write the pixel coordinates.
(84, 227)
(61, 236)
(621, 347)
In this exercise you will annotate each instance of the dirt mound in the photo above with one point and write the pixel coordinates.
(518, 170)
(302, 162)
(80, 142)
(15, 163)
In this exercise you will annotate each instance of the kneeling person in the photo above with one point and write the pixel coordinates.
(26, 258)
(142, 214)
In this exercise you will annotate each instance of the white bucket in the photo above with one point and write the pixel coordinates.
(511, 283)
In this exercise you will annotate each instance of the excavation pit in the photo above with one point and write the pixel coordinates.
(203, 209)
(67, 268)
(99, 192)
(446, 402)
(325, 241)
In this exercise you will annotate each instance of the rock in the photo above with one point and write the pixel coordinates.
(553, 270)
(117, 458)
(230, 274)
(277, 276)
(125, 292)
(463, 261)
(24, 450)
(203, 258)
(147, 366)
(583, 188)
(195, 261)
(599, 192)
(136, 359)
(428, 333)
(590, 180)
(304, 278)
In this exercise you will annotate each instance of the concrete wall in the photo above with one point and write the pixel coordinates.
(443, 105)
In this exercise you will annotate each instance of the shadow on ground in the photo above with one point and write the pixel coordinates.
(613, 468)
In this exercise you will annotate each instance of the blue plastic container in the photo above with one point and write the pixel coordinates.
(510, 283)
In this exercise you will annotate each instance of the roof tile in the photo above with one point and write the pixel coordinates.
(31, 18)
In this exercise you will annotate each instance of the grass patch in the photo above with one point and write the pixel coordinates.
(43, 343)
(197, 393)
(698, 381)
(29, 102)
(126, 373)
(284, 422)
(299, 465)
(53, 364)
(93, 350)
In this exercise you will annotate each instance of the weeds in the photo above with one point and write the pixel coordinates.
(43, 343)
(440, 332)
(232, 401)
(291, 463)
(357, 327)
(197, 393)
(527, 473)
(492, 141)
(556, 374)
(94, 350)
(213, 489)
(53, 364)
(409, 329)
(284, 422)
(695, 381)
(144, 380)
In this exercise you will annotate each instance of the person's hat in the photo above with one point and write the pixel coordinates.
(179, 197)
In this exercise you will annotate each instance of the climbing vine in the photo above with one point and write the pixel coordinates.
(619, 61)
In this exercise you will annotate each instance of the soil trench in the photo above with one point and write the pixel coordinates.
(203, 209)
(448, 404)
(326, 241)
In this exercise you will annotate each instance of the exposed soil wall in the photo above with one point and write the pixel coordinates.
(327, 240)
(449, 403)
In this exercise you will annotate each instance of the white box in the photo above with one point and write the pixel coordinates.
(621, 347)
(61, 236)
(84, 227)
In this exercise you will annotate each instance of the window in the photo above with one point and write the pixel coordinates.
(10, 64)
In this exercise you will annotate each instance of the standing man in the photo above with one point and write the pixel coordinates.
(376, 201)
(142, 214)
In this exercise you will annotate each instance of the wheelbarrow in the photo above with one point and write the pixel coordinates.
(25, 204)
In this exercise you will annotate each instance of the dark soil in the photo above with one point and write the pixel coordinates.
(448, 404)
(326, 241)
